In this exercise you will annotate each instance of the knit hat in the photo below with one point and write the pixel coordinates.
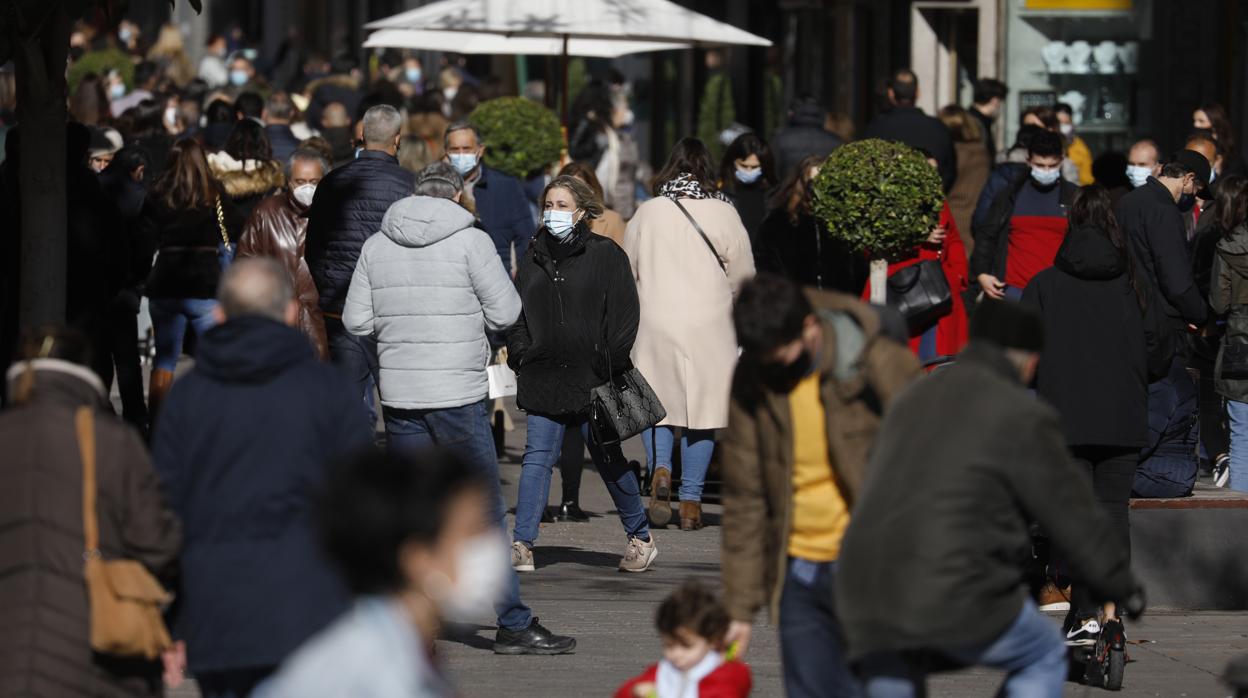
(1009, 325)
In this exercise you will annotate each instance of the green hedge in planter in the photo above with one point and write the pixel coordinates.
(100, 63)
(521, 136)
(879, 197)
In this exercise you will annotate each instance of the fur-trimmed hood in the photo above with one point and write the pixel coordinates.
(248, 177)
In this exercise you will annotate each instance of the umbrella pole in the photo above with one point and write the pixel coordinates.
(563, 93)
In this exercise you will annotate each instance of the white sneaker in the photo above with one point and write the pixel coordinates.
(638, 555)
(521, 557)
(1221, 470)
(1084, 634)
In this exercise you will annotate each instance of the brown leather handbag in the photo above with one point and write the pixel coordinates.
(125, 599)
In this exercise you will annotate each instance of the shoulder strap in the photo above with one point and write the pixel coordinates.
(84, 423)
(225, 236)
(705, 239)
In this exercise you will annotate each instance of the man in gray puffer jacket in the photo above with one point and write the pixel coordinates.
(427, 287)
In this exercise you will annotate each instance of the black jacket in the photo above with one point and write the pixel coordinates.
(751, 202)
(964, 462)
(911, 126)
(241, 449)
(187, 264)
(992, 233)
(1229, 298)
(985, 129)
(346, 211)
(1154, 228)
(804, 135)
(1100, 348)
(283, 141)
(804, 253)
(572, 309)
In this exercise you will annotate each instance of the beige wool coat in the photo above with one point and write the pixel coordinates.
(686, 346)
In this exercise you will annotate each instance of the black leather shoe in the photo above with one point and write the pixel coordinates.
(534, 639)
(571, 511)
(547, 515)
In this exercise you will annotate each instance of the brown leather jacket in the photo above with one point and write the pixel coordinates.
(277, 229)
(860, 374)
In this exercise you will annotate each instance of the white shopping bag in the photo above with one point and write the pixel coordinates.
(502, 381)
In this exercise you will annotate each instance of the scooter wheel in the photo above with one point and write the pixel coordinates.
(1115, 667)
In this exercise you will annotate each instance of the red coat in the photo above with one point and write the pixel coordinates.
(951, 330)
(730, 680)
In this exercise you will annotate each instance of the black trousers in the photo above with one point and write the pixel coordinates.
(571, 464)
(118, 346)
(1113, 472)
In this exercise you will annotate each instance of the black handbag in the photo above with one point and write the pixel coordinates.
(625, 405)
(921, 293)
(1234, 361)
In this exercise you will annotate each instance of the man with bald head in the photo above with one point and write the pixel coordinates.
(1143, 161)
(347, 209)
(241, 447)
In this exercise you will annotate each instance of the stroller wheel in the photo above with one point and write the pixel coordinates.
(1115, 668)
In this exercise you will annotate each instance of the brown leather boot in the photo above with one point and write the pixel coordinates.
(660, 512)
(690, 516)
(157, 388)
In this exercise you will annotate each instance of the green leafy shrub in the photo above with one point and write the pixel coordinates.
(879, 197)
(521, 136)
(100, 63)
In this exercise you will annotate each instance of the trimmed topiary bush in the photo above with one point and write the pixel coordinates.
(100, 63)
(880, 197)
(521, 136)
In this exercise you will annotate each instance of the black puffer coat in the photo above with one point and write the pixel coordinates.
(1228, 294)
(573, 307)
(186, 239)
(1101, 349)
(347, 210)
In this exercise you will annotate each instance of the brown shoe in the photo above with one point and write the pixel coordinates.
(660, 512)
(690, 516)
(1053, 598)
(157, 387)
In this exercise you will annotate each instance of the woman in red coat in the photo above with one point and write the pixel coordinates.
(944, 245)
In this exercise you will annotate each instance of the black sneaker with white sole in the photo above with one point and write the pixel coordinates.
(1221, 470)
(534, 639)
(1083, 633)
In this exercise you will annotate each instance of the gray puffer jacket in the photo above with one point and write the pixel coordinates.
(428, 286)
(1228, 294)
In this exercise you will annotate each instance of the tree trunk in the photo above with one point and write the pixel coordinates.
(879, 281)
(41, 114)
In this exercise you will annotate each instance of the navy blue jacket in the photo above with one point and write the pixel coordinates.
(346, 211)
(504, 212)
(283, 141)
(241, 448)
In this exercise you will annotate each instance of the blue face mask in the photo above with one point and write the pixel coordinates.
(238, 78)
(358, 149)
(749, 176)
(413, 75)
(117, 90)
(1045, 178)
(464, 162)
(1138, 174)
(559, 223)
(125, 35)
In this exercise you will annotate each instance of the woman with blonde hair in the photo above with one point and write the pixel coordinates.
(169, 52)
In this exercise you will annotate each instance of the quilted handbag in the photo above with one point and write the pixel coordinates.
(623, 407)
(921, 294)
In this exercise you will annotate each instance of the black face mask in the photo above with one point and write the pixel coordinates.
(783, 377)
(1186, 202)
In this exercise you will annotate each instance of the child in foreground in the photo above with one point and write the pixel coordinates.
(692, 624)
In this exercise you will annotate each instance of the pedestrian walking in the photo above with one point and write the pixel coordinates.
(974, 166)
(241, 450)
(814, 378)
(348, 208)
(188, 217)
(986, 100)
(499, 198)
(609, 224)
(428, 286)
(687, 243)
(950, 590)
(278, 228)
(246, 168)
(793, 243)
(414, 538)
(1229, 298)
(1103, 345)
(906, 123)
(279, 113)
(747, 176)
(58, 407)
(575, 333)
(803, 136)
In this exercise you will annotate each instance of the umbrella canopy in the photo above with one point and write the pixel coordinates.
(498, 44)
(608, 20)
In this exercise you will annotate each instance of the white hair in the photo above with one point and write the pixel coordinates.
(382, 124)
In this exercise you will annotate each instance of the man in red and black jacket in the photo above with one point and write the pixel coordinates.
(1026, 225)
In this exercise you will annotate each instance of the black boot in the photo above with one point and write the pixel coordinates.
(534, 639)
(571, 511)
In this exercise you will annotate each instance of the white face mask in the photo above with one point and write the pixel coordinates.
(1138, 174)
(304, 193)
(1067, 129)
(464, 163)
(559, 223)
(1045, 177)
(481, 570)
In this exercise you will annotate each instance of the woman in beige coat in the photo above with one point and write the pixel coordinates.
(686, 347)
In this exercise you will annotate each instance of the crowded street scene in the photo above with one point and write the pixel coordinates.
(633, 348)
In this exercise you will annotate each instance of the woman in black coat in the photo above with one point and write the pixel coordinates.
(746, 175)
(1103, 345)
(576, 330)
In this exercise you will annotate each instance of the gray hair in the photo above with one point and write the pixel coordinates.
(307, 155)
(461, 125)
(439, 180)
(381, 124)
(257, 286)
(280, 106)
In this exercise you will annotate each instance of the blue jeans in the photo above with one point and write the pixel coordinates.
(812, 646)
(170, 317)
(467, 431)
(1238, 413)
(696, 448)
(357, 358)
(541, 452)
(1031, 651)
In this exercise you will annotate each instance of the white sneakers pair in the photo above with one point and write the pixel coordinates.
(638, 556)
